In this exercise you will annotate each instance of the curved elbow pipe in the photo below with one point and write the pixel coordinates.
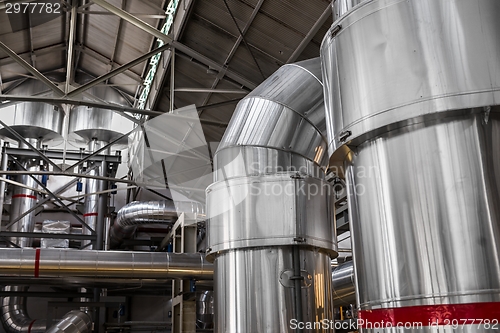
(14, 316)
(149, 212)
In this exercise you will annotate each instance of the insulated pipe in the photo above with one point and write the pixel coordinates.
(271, 231)
(41, 263)
(73, 322)
(15, 318)
(343, 284)
(149, 212)
(414, 121)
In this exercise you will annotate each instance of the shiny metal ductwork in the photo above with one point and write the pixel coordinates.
(15, 318)
(205, 310)
(270, 236)
(343, 283)
(412, 91)
(42, 263)
(73, 322)
(150, 212)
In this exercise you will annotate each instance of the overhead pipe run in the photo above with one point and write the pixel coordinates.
(42, 263)
(73, 322)
(414, 122)
(150, 212)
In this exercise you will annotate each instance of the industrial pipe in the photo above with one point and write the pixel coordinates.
(149, 212)
(14, 316)
(271, 231)
(73, 322)
(40, 263)
(343, 284)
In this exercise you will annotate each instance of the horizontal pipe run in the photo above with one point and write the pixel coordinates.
(40, 263)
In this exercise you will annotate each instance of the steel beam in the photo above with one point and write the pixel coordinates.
(71, 43)
(22, 139)
(59, 201)
(235, 47)
(117, 71)
(169, 40)
(37, 52)
(30, 69)
(98, 105)
(145, 15)
(310, 35)
(46, 235)
(212, 90)
(59, 155)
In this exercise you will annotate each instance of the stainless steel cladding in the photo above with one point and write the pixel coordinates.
(282, 209)
(73, 322)
(270, 227)
(99, 123)
(32, 119)
(255, 290)
(343, 284)
(15, 318)
(205, 310)
(411, 91)
(103, 264)
(396, 61)
(150, 212)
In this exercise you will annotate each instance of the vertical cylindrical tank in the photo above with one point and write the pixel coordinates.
(412, 89)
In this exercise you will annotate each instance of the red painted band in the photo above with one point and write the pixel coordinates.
(430, 315)
(24, 196)
(90, 214)
(31, 325)
(37, 262)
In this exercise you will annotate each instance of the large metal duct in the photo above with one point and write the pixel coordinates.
(41, 263)
(150, 212)
(73, 322)
(270, 236)
(205, 310)
(343, 283)
(412, 89)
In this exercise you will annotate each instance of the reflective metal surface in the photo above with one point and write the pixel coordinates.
(279, 209)
(343, 282)
(103, 264)
(265, 298)
(340, 7)
(271, 229)
(205, 310)
(150, 212)
(32, 119)
(430, 204)
(100, 123)
(14, 316)
(73, 322)
(393, 61)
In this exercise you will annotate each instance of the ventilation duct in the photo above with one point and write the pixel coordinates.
(15, 318)
(413, 120)
(272, 249)
(150, 212)
(73, 322)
